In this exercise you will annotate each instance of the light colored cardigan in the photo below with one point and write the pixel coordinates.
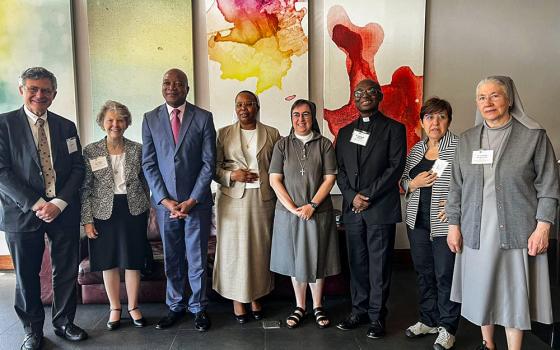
(440, 188)
(526, 184)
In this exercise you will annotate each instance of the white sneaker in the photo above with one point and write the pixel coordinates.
(419, 329)
(445, 340)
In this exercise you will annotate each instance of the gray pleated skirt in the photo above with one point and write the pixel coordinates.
(244, 233)
(306, 250)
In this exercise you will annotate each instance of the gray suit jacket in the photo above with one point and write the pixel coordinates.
(97, 189)
(229, 157)
(526, 184)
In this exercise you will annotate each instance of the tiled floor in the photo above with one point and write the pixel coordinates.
(227, 334)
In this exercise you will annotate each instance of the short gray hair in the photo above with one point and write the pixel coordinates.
(118, 108)
(36, 73)
(497, 82)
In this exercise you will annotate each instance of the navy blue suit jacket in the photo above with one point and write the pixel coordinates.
(185, 170)
(21, 179)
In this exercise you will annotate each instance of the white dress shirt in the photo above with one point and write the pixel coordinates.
(32, 119)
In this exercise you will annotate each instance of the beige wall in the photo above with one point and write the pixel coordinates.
(465, 41)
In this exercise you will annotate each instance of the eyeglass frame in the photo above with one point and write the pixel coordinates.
(34, 90)
(246, 104)
(372, 91)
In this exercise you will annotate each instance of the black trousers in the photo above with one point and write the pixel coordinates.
(434, 262)
(370, 250)
(26, 249)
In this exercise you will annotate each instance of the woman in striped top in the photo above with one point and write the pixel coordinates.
(426, 179)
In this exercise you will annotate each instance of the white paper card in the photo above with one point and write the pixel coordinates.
(482, 156)
(439, 166)
(72, 145)
(98, 163)
(359, 137)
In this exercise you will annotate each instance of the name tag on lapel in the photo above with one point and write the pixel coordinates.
(72, 145)
(98, 163)
(359, 137)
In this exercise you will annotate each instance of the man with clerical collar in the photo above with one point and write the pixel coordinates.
(371, 154)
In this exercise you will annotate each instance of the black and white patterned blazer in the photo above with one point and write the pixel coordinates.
(440, 188)
(97, 189)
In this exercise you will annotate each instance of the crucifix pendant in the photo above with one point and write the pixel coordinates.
(302, 171)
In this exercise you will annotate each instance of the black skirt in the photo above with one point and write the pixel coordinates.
(121, 239)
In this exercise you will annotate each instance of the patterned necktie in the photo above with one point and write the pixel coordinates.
(175, 124)
(45, 158)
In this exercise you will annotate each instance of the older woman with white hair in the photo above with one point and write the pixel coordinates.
(115, 203)
(502, 202)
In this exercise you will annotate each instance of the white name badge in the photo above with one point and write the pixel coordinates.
(98, 163)
(439, 166)
(482, 156)
(72, 145)
(359, 137)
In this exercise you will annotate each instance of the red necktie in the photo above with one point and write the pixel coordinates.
(175, 124)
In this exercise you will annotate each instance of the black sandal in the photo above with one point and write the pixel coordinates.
(296, 317)
(320, 316)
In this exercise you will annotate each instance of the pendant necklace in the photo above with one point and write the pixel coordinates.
(117, 163)
(248, 143)
(301, 160)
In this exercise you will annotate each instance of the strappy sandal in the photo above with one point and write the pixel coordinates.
(296, 317)
(320, 316)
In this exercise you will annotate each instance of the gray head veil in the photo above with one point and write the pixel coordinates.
(515, 105)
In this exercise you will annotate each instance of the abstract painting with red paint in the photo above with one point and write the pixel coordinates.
(381, 40)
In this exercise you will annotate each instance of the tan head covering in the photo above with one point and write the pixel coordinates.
(515, 105)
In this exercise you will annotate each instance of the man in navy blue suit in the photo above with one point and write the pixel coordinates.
(41, 171)
(179, 157)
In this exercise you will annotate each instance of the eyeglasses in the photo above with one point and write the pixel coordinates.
(245, 104)
(372, 91)
(33, 90)
(432, 116)
(304, 115)
(492, 98)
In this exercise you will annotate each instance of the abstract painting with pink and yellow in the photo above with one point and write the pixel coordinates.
(261, 46)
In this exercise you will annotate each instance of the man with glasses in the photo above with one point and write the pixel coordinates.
(179, 160)
(41, 172)
(371, 154)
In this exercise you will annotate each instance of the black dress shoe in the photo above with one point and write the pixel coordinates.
(169, 320)
(258, 315)
(71, 332)
(241, 319)
(201, 321)
(352, 322)
(32, 341)
(112, 325)
(138, 323)
(376, 330)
